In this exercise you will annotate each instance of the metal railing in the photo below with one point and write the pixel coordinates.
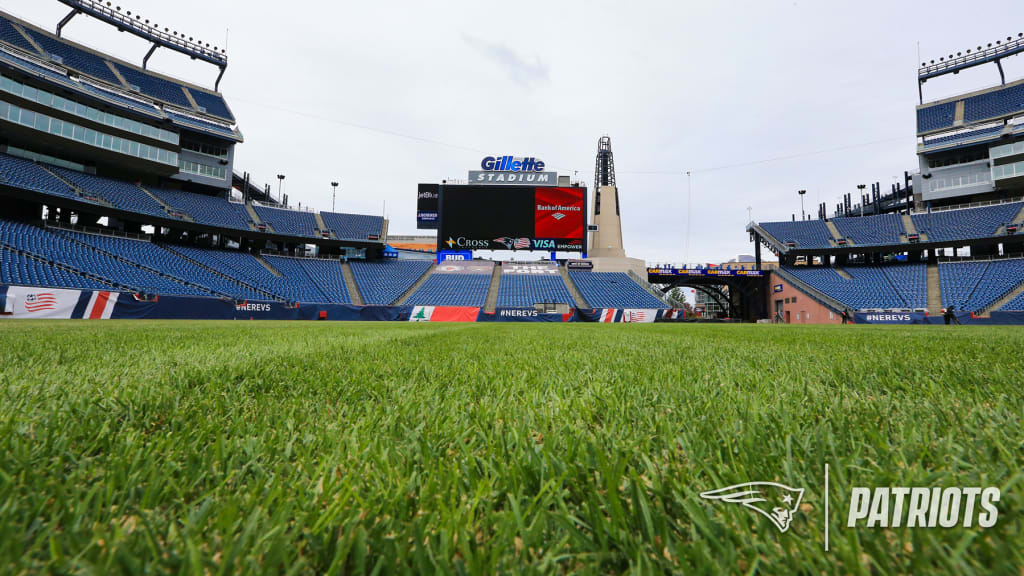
(96, 231)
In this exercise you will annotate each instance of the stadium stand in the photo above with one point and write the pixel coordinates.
(10, 35)
(212, 104)
(118, 193)
(247, 268)
(325, 276)
(935, 117)
(148, 255)
(353, 226)
(76, 58)
(86, 260)
(525, 290)
(965, 224)
(210, 210)
(291, 222)
(158, 88)
(18, 269)
(454, 288)
(994, 104)
(612, 290)
(1015, 304)
(871, 230)
(972, 286)
(896, 286)
(191, 122)
(805, 234)
(383, 283)
(25, 174)
(990, 132)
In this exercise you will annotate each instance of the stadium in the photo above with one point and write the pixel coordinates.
(340, 436)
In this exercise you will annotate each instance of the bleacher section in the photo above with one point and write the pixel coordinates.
(455, 284)
(966, 224)
(54, 247)
(998, 103)
(99, 67)
(871, 230)
(806, 234)
(119, 194)
(613, 290)
(383, 283)
(248, 269)
(973, 136)
(290, 222)
(353, 226)
(523, 285)
(972, 286)
(897, 286)
(24, 271)
(27, 175)
(148, 255)
(1016, 303)
(323, 275)
(936, 117)
(211, 210)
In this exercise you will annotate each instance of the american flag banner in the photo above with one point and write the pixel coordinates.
(40, 301)
(33, 302)
(522, 243)
(636, 315)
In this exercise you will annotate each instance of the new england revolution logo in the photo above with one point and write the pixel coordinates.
(776, 502)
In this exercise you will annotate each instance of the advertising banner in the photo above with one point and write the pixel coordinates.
(889, 317)
(426, 206)
(444, 314)
(522, 315)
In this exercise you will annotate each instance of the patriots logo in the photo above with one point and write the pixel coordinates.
(776, 502)
(508, 242)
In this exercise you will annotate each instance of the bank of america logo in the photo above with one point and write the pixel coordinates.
(558, 216)
(776, 502)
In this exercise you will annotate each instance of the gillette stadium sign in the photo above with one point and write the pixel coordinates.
(512, 170)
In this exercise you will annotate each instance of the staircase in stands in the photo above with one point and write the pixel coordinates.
(934, 290)
(577, 296)
(350, 283)
(491, 304)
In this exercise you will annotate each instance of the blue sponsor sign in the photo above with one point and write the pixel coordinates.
(454, 256)
(889, 317)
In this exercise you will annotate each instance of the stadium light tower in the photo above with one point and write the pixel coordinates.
(334, 194)
(803, 215)
(861, 187)
(280, 181)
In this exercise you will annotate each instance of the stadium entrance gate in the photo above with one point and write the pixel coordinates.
(742, 293)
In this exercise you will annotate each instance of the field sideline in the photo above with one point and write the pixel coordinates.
(223, 447)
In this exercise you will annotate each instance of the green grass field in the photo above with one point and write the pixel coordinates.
(226, 447)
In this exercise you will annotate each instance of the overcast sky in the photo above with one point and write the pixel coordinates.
(758, 99)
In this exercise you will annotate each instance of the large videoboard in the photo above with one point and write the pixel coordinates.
(512, 218)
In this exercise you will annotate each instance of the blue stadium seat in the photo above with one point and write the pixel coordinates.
(613, 290)
(936, 117)
(891, 286)
(998, 103)
(324, 276)
(452, 289)
(213, 104)
(156, 87)
(806, 234)
(120, 194)
(86, 260)
(382, 283)
(972, 286)
(353, 226)
(76, 58)
(871, 230)
(525, 290)
(965, 224)
(11, 36)
(27, 175)
(21, 270)
(210, 210)
(289, 222)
